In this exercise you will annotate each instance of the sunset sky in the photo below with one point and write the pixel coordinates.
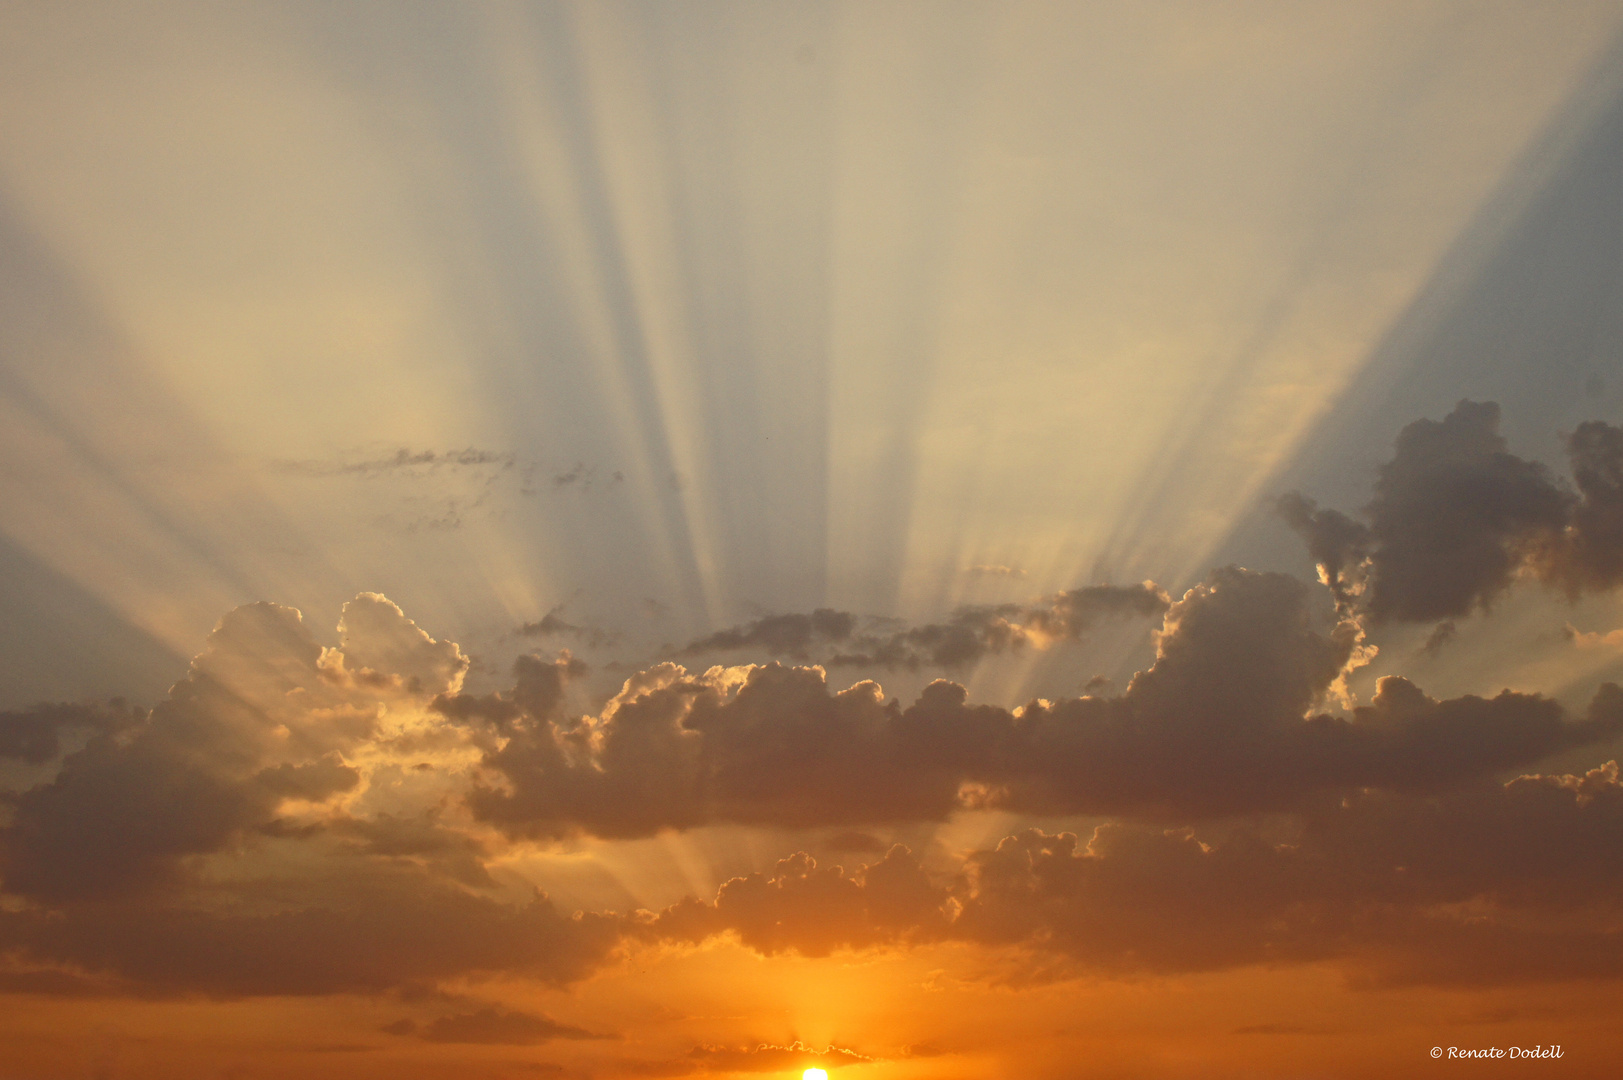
(931, 541)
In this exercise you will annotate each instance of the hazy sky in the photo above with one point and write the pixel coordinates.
(1153, 462)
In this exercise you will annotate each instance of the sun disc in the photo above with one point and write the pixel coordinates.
(814, 1074)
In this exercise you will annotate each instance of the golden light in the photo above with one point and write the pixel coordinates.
(814, 1074)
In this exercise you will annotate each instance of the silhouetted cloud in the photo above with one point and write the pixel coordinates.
(780, 635)
(1221, 723)
(35, 735)
(1491, 884)
(305, 819)
(814, 910)
(378, 931)
(259, 717)
(970, 634)
(1457, 518)
(1441, 634)
(553, 624)
(1592, 557)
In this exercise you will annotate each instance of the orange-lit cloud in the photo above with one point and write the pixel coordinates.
(363, 784)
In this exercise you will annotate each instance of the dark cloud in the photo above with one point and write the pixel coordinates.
(1221, 723)
(1457, 518)
(1492, 884)
(1068, 614)
(970, 634)
(814, 910)
(1335, 542)
(1481, 885)
(382, 929)
(1454, 516)
(581, 477)
(305, 819)
(422, 839)
(1592, 557)
(314, 780)
(975, 632)
(1441, 634)
(553, 624)
(263, 714)
(35, 735)
(1488, 884)
(780, 635)
(105, 865)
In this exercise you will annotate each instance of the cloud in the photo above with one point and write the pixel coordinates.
(403, 459)
(378, 638)
(581, 477)
(263, 714)
(1456, 518)
(1481, 885)
(768, 1057)
(1223, 722)
(552, 624)
(283, 822)
(970, 634)
(311, 780)
(1441, 634)
(35, 735)
(380, 929)
(1497, 883)
(1592, 557)
(814, 910)
(780, 635)
(295, 818)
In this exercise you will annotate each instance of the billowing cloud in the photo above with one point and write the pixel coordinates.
(1494, 883)
(1592, 557)
(264, 714)
(815, 910)
(1221, 723)
(305, 819)
(1456, 518)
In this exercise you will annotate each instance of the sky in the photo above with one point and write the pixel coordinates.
(932, 541)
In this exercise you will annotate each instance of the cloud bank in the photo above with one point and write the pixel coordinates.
(1457, 518)
(1225, 721)
(303, 819)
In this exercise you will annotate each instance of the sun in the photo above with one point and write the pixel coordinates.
(814, 1074)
